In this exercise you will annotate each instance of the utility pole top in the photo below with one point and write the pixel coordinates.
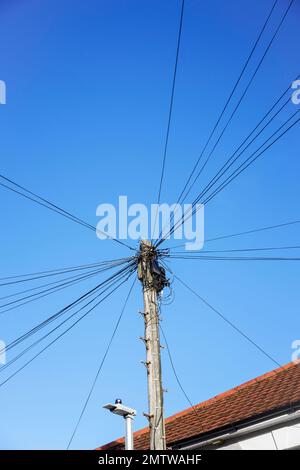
(146, 244)
(150, 273)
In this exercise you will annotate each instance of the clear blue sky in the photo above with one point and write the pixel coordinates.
(88, 86)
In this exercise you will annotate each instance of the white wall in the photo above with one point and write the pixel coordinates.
(285, 437)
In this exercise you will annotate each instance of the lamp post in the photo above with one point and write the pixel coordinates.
(128, 414)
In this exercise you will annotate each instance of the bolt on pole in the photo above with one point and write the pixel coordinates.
(153, 280)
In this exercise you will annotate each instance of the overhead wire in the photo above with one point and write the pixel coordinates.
(230, 323)
(170, 110)
(256, 230)
(238, 234)
(53, 207)
(103, 358)
(242, 167)
(174, 368)
(43, 274)
(15, 294)
(162, 238)
(231, 160)
(233, 258)
(228, 99)
(234, 250)
(50, 290)
(62, 311)
(183, 193)
(119, 278)
(246, 89)
(252, 158)
(60, 336)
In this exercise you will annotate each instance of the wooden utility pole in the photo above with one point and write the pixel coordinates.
(153, 280)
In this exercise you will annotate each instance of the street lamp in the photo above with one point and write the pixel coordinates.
(128, 414)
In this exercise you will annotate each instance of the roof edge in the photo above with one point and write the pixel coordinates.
(205, 403)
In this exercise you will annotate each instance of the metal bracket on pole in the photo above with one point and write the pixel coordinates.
(146, 364)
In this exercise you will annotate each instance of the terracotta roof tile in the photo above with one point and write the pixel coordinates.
(264, 394)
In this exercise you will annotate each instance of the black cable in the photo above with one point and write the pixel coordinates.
(247, 232)
(238, 330)
(239, 102)
(225, 165)
(60, 336)
(15, 294)
(224, 109)
(99, 294)
(232, 258)
(275, 248)
(174, 369)
(231, 160)
(100, 366)
(62, 311)
(238, 234)
(65, 269)
(251, 159)
(54, 290)
(229, 98)
(236, 172)
(43, 274)
(243, 95)
(196, 410)
(170, 109)
(49, 205)
(220, 174)
(49, 291)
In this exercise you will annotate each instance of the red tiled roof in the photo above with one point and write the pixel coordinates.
(267, 393)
